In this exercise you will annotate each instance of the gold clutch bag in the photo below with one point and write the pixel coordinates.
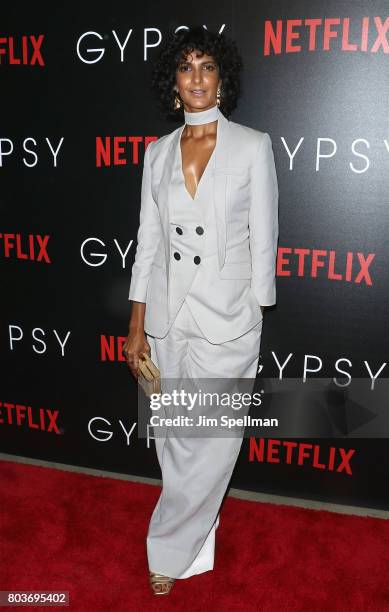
(149, 375)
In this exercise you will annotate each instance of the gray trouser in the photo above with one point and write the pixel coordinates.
(195, 470)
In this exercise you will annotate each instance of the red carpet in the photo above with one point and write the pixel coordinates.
(86, 534)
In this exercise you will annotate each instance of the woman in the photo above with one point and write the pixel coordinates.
(204, 269)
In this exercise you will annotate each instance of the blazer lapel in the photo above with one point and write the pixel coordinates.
(220, 185)
(163, 195)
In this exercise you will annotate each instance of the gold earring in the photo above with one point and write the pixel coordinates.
(218, 95)
(177, 102)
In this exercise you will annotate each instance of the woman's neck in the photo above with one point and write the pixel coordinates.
(203, 116)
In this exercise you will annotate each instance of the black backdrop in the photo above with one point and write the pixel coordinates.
(77, 92)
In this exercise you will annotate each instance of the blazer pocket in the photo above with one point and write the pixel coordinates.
(234, 170)
(241, 269)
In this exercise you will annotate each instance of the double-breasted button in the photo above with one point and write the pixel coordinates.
(176, 255)
(179, 230)
(199, 229)
(196, 259)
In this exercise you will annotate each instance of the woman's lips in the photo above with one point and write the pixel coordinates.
(197, 92)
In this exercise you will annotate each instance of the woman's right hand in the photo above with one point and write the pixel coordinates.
(135, 344)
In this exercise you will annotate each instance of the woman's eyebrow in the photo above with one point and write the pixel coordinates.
(202, 62)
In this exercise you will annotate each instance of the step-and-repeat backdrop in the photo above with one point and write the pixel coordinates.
(76, 117)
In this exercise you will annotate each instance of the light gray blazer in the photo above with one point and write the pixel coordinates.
(245, 198)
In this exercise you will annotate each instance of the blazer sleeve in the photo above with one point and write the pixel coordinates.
(263, 223)
(148, 236)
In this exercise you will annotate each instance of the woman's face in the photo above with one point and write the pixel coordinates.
(197, 81)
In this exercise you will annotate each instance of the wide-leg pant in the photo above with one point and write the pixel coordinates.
(195, 471)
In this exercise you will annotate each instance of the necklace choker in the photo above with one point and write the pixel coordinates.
(200, 117)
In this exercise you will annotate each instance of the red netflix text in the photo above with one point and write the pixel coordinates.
(320, 34)
(32, 247)
(19, 415)
(111, 348)
(301, 453)
(21, 50)
(314, 263)
(112, 151)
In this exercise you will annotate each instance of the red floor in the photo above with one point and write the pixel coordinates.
(85, 534)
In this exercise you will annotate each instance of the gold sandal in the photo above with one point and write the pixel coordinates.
(160, 584)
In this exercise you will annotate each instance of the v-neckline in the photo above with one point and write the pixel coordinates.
(206, 167)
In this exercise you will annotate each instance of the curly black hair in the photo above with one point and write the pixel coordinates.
(176, 48)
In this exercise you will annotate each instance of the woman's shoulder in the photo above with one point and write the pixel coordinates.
(156, 146)
(247, 134)
(248, 138)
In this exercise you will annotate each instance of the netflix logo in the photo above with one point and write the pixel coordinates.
(369, 35)
(320, 263)
(18, 415)
(21, 50)
(111, 348)
(301, 453)
(32, 247)
(120, 150)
